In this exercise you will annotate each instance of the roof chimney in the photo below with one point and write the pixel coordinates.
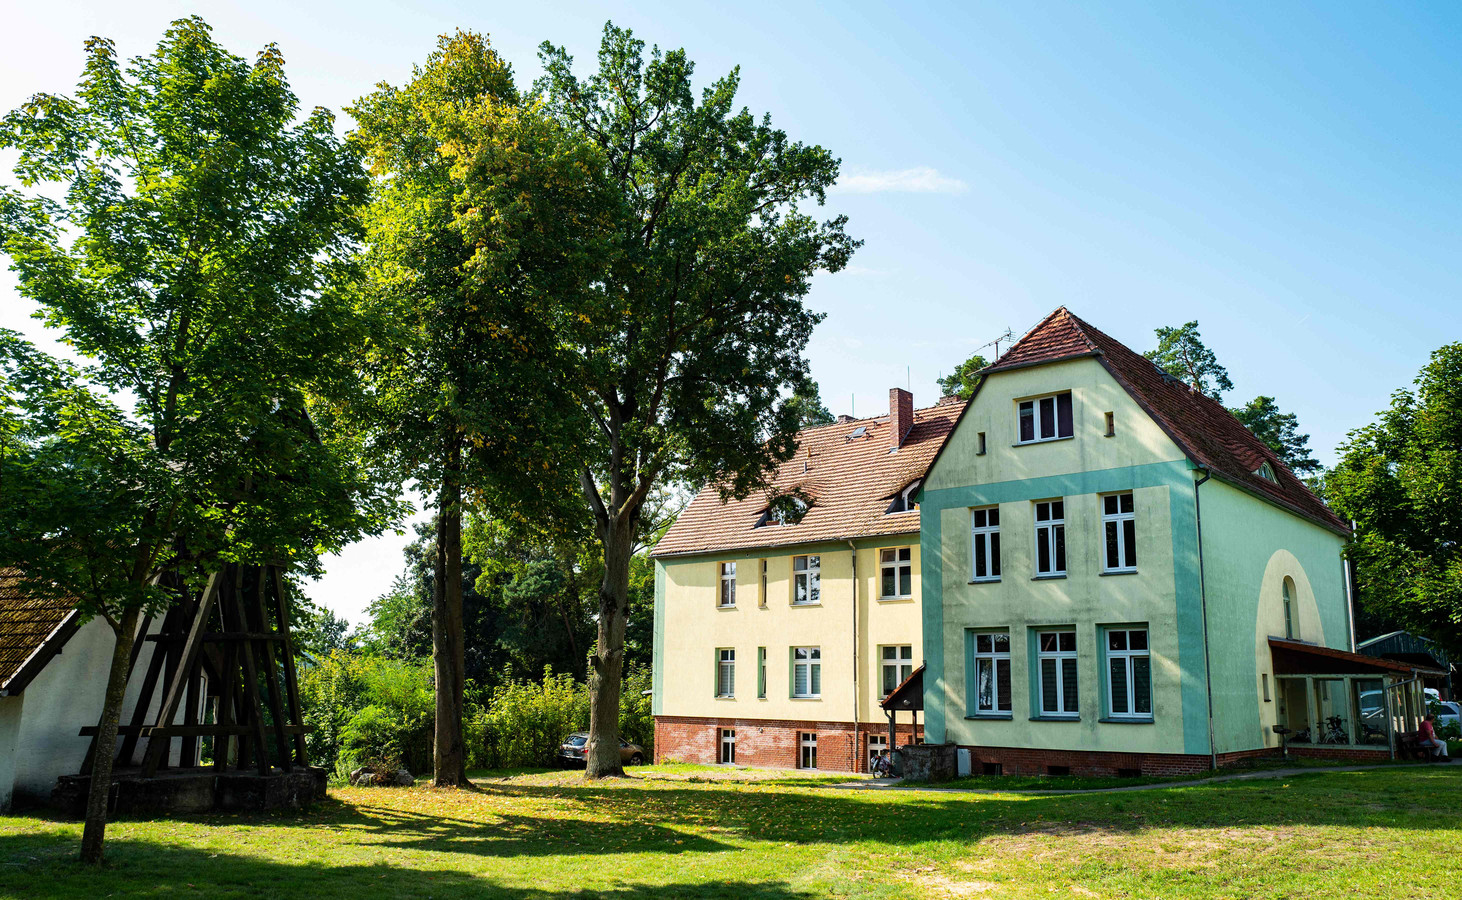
(900, 416)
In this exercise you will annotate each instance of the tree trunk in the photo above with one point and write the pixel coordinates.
(106, 740)
(449, 759)
(606, 675)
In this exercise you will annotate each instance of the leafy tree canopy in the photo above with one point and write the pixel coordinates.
(807, 403)
(1280, 430)
(1181, 353)
(964, 379)
(1400, 480)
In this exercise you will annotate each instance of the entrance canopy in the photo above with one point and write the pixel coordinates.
(909, 695)
(1299, 658)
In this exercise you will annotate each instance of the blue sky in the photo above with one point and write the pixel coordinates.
(1289, 177)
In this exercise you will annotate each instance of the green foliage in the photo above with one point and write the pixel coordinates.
(524, 722)
(186, 234)
(807, 403)
(365, 710)
(1400, 480)
(964, 379)
(1280, 430)
(1181, 353)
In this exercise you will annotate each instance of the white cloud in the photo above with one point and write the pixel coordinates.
(919, 180)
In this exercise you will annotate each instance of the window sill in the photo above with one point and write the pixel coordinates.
(984, 581)
(895, 599)
(818, 697)
(1126, 720)
(1056, 718)
(997, 717)
(1069, 437)
(1048, 577)
(732, 606)
(724, 697)
(801, 605)
(1118, 572)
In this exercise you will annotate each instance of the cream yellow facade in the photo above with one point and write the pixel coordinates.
(850, 624)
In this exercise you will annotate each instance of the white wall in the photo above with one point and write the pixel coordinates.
(10, 709)
(45, 741)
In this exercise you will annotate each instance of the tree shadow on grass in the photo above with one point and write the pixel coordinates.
(1408, 799)
(34, 866)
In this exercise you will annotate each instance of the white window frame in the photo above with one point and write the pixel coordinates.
(1127, 655)
(901, 664)
(807, 750)
(1287, 594)
(1048, 531)
(761, 598)
(877, 743)
(1037, 417)
(993, 657)
(988, 536)
(726, 599)
(1058, 657)
(899, 561)
(725, 673)
(809, 578)
(1117, 523)
(727, 754)
(811, 662)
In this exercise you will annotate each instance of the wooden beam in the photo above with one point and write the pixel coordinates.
(255, 612)
(291, 682)
(156, 748)
(201, 730)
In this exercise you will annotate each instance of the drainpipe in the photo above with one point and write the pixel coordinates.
(1349, 591)
(853, 553)
(1203, 598)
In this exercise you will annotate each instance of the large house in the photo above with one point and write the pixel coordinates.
(782, 619)
(1111, 575)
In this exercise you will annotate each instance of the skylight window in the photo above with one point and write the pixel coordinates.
(903, 501)
(858, 432)
(1266, 472)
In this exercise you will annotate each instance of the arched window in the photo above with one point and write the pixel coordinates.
(1289, 629)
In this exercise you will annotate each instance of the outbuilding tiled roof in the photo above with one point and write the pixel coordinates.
(1202, 427)
(26, 623)
(851, 482)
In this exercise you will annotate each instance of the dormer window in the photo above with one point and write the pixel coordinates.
(787, 509)
(1266, 472)
(903, 501)
(1044, 419)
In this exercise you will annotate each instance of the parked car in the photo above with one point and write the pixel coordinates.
(1448, 712)
(571, 752)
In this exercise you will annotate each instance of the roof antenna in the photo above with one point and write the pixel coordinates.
(1007, 336)
(853, 405)
(909, 378)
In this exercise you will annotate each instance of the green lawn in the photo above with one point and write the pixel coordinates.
(683, 831)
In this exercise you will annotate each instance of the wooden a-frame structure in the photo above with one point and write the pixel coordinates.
(223, 658)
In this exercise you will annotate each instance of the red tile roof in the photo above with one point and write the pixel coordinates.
(850, 480)
(26, 624)
(1201, 427)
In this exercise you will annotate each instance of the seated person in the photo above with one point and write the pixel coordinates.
(1429, 737)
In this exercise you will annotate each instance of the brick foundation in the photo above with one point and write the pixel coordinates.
(1358, 754)
(770, 743)
(1031, 761)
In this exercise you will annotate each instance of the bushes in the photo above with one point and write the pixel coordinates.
(368, 710)
(374, 711)
(522, 723)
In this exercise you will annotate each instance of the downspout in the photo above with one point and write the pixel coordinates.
(1349, 590)
(1203, 601)
(853, 755)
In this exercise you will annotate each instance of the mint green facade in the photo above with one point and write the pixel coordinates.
(1248, 547)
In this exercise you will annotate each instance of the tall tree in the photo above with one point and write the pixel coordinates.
(807, 401)
(189, 259)
(475, 229)
(1400, 480)
(675, 364)
(1280, 430)
(964, 379)
(1181, 353)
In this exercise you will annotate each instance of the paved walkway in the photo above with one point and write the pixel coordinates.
(874, 784)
